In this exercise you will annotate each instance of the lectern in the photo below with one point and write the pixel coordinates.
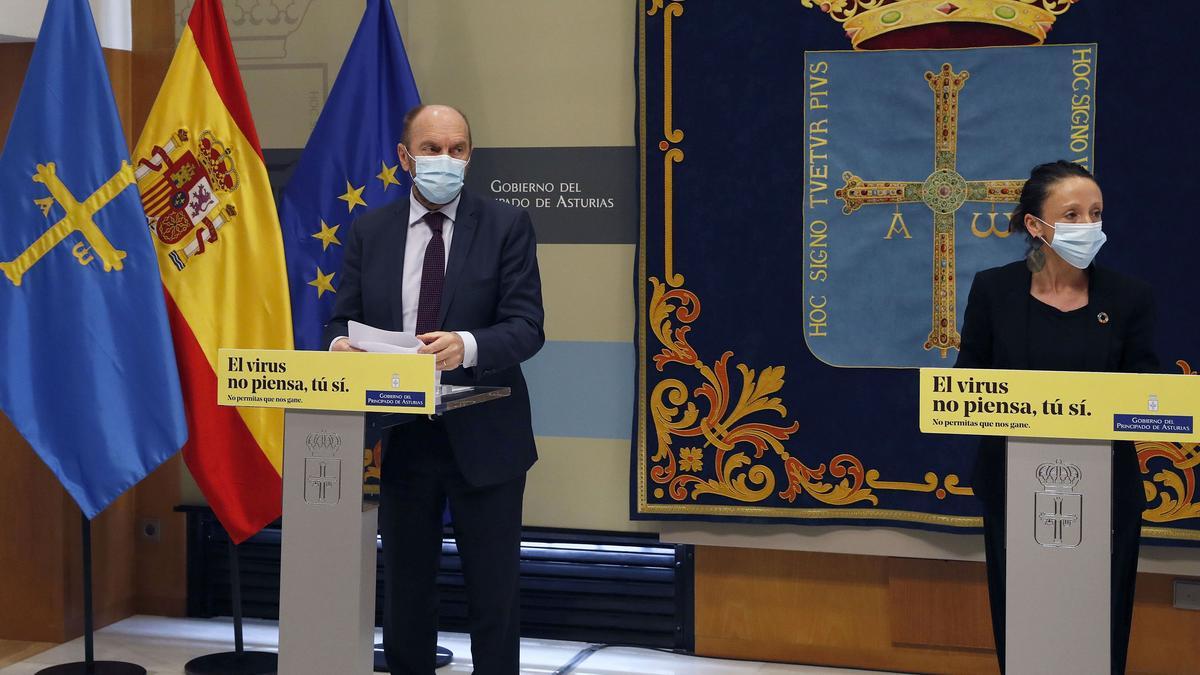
(1059, 555)
(327, 584)
(1058, 531)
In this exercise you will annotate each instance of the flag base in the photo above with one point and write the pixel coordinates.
(239, 661)
(94, 668)
(443, 658)
(234, 663)
(90, 666)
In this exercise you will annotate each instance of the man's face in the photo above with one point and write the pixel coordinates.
(438, 130)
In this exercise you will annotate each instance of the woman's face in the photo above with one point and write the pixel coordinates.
(1071, 200)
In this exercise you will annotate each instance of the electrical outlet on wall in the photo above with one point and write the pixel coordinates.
(149, 529)
(1187, 594)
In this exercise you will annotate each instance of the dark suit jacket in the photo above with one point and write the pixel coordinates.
(995, 334)
(996, 325)
(492, 289)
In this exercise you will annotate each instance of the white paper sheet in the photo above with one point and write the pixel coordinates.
(371, 339)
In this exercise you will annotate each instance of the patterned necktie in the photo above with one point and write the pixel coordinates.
(433, 274)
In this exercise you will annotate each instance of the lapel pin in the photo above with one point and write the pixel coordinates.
(1102, 317)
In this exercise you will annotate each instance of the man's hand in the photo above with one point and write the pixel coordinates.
(343, 345)
(446, 347)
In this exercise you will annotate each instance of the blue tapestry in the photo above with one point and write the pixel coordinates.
(919, 197)
(796, 262)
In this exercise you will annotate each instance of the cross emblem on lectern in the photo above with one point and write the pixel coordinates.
(322, 480)
(1058, 520)
(944, 191)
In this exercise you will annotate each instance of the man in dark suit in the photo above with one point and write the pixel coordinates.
(461, 272)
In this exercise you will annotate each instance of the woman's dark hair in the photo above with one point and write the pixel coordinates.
(1037, 188)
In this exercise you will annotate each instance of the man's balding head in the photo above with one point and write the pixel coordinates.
(433, 118)
(429, 131)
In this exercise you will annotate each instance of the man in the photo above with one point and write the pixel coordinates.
(461, 272)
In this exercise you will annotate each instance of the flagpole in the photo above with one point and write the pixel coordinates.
(90, 666)
(239, 661)
(235, 583)
(89, 642)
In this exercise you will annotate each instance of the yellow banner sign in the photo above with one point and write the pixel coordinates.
(1100, 406)
(270, 378)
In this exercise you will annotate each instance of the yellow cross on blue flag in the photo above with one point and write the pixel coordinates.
(89, 375)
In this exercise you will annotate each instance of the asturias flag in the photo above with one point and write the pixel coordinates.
(88, 372)
(204, 187)
(348, 166)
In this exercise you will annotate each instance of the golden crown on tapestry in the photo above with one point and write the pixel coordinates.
(901, 22)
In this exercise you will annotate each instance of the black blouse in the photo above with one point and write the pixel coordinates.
(1055, 336)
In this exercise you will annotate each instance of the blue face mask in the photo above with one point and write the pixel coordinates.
(439, 178)
(1076, 243)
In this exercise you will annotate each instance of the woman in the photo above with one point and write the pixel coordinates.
(1057, 311)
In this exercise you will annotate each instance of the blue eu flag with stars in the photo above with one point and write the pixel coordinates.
(88, 371)
(349, 166)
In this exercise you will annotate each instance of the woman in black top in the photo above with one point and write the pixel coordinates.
(1057, 311)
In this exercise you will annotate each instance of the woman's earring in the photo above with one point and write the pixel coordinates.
(1035, 258)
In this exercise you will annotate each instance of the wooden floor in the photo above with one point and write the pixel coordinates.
(12, 651)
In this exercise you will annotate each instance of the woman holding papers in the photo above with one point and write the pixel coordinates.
(1056, 310)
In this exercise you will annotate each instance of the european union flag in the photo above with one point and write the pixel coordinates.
(89, 375)
(348, 166)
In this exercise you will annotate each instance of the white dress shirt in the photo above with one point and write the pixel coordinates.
(418, 237)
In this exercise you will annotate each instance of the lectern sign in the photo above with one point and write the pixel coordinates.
(1095, 406)
(301, 380)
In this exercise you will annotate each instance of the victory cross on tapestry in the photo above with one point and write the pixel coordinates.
(962, 129)
(820, 183)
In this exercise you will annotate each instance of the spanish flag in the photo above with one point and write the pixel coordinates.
(200, 171)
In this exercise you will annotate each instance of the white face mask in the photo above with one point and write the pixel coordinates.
(439, 178)
(1076, 243)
